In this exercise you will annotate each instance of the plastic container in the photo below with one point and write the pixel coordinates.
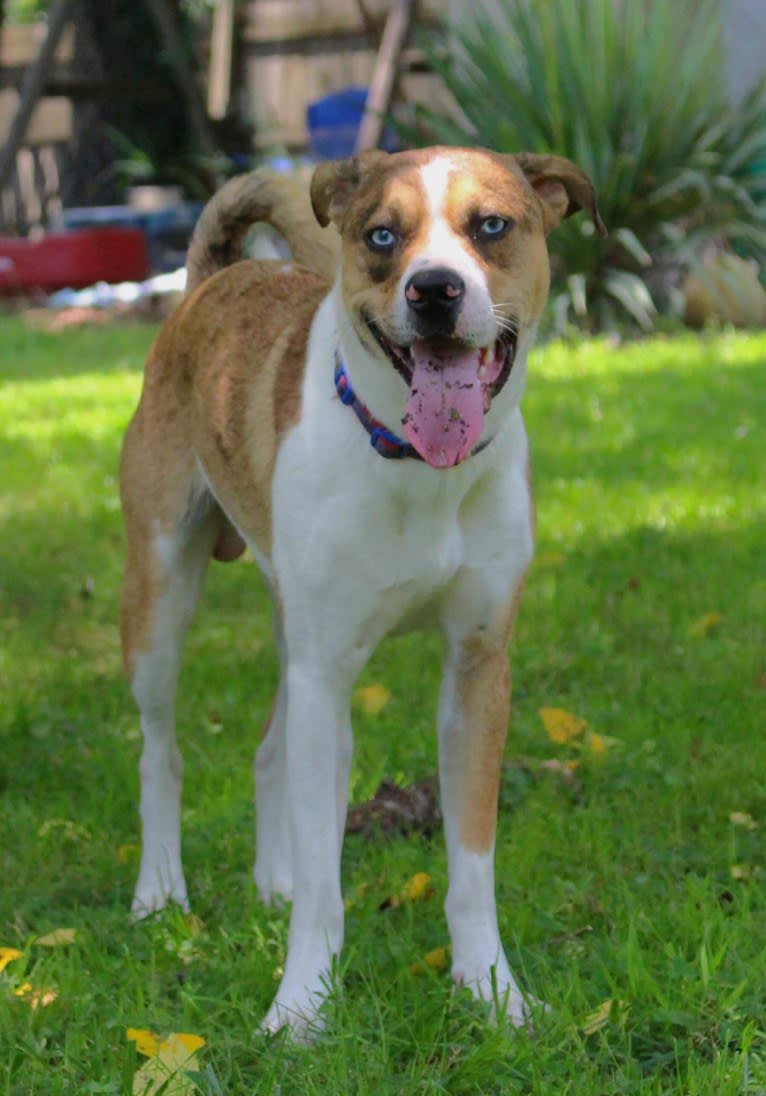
(156, 222)
(72, 259)
(333, 123)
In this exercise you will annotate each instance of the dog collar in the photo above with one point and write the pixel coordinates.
(382, 440)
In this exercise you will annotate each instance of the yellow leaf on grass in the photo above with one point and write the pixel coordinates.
(561, 725)
(185, 1041)
(740, 871)
(597, 1019)
(150, 1045)
(437, 960)
(7, 955)
(372, 698)
(742, 818)
(147, 1042)
(705, 625)
(167, 1070)
(36, 998)
(416, 889)
(56, 939)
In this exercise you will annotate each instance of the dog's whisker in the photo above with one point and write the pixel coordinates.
(507, 322)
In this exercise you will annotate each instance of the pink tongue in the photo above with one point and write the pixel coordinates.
(445, 411)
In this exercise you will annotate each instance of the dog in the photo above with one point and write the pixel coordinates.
(352, 417)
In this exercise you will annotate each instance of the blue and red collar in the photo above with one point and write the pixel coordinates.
(382, 440)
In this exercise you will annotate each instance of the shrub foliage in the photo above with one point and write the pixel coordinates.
(634, 93)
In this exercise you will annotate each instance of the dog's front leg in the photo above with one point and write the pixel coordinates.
(474, 708)
(318, 748)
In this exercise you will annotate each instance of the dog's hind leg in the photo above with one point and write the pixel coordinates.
(163, 578)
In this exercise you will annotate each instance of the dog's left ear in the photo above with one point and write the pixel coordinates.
(562, 187)
(334, 184)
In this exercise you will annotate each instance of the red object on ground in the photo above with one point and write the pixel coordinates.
(72, 259)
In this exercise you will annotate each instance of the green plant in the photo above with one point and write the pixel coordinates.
(633, 93)
(194, 171)
(25, 11)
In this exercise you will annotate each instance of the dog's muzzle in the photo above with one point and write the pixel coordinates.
(435, 297)
(452, 386)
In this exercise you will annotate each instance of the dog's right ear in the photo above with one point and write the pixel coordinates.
(334, 184)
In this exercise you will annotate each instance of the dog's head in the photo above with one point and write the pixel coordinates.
(445, 270)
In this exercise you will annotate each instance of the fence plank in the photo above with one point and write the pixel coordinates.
(382, 86)
(32, 85)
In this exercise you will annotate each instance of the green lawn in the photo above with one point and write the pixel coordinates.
(639, 878)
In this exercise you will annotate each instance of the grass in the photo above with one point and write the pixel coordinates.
(638, 879)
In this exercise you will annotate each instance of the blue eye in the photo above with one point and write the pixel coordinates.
(380, 239)
(492, 228)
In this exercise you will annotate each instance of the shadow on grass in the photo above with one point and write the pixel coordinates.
(637, 593)
(616, 627)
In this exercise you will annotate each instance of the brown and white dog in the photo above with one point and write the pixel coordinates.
(261, 398)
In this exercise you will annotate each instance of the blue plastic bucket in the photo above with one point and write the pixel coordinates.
(333, 123)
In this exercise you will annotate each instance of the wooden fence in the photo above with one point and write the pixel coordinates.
(33, 195)
(289, 54)
(297, 51)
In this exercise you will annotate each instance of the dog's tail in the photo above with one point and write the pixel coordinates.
(266, 196)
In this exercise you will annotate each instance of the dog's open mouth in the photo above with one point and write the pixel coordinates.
(452, 386)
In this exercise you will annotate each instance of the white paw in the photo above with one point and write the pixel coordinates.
(302, 1020)
(497, 987)
(303, 991)
(154, 891)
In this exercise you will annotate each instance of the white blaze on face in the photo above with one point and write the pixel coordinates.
(449, 392)
(445, 246)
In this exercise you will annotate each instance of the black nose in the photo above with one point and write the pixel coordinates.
(435, 297)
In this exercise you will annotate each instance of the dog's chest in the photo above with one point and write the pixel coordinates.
(374, 545)
(405, 551)
(415, 543)
(386, 548)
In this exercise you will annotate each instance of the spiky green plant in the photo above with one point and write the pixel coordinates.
(634, 93)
